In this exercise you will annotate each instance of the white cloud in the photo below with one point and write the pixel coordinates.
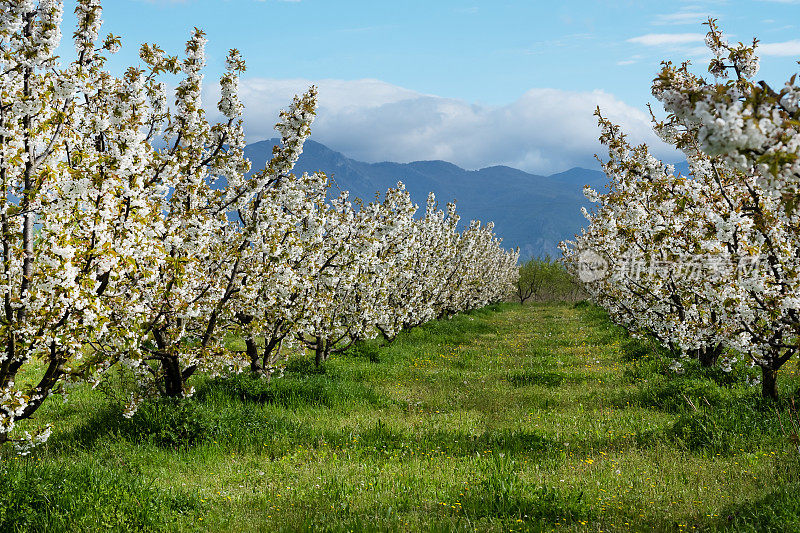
(631, 60)
(680, 18)
(786, 48)
(667, 39)
(544, 131)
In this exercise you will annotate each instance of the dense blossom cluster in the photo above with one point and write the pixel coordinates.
(708, 262)
(135, 236)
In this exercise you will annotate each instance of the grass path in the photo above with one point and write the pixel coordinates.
(506, 419)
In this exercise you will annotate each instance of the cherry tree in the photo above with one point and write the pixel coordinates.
(342, 310)
(392, 295)
(412, 281)
(751, 129)
(735, 217)
(214, 238)
(274, 297)
(77, 216)
(648, 230)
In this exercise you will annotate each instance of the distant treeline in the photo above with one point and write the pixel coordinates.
(544, 279)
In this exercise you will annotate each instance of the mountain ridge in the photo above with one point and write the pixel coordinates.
(530, 211)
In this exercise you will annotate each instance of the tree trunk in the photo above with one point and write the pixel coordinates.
(769, 382)
(319, 350)
(252, 355)
(173, 377)
(386, 337)
(322, 350)
(270, 353)
(709, 355)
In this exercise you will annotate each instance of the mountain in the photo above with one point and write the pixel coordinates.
(530, 211)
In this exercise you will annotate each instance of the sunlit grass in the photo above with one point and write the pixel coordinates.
(509, 418)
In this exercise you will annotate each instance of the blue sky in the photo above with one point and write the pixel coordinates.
(473, 82)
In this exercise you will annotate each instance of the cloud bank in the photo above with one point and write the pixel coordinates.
(544, 131)
(662, 39)
(783, 49)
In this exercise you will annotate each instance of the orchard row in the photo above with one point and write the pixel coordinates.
(134, 234)
(709, 263)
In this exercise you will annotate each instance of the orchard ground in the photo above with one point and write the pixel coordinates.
(535, 417)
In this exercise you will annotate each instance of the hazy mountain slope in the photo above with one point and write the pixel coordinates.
(529, 211)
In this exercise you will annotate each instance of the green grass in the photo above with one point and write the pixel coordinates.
(509, 418)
